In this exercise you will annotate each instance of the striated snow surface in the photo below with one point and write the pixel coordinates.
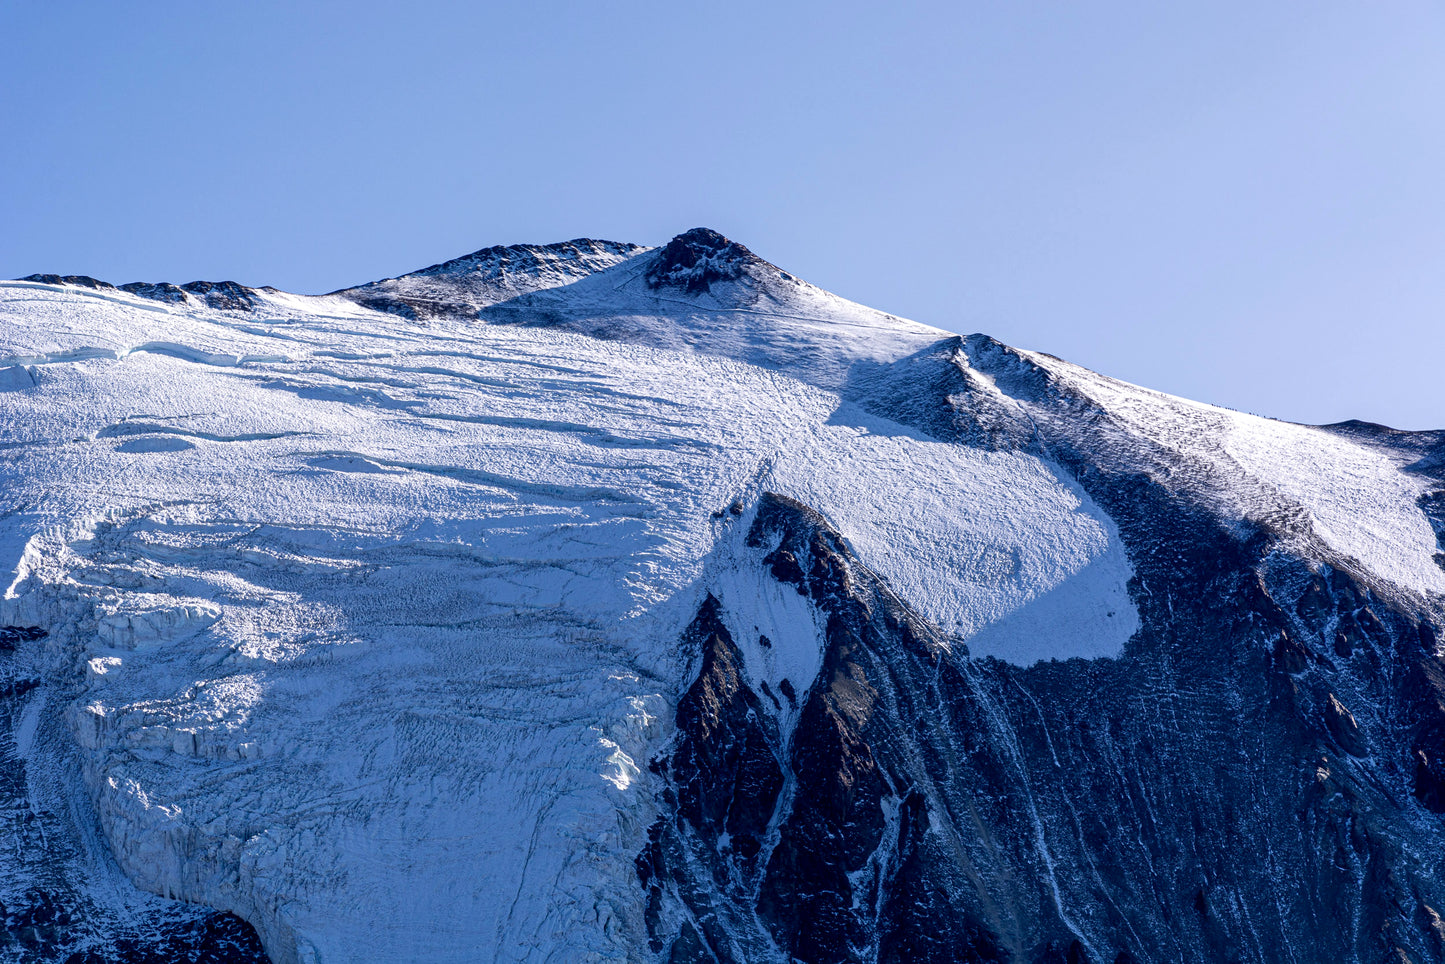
(1356, 502)
(366, 625)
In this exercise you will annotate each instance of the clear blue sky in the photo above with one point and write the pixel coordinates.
(1243, 203)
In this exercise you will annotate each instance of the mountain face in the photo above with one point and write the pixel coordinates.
(599, 602)
(459, 287)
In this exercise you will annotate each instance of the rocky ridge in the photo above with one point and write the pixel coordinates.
(463, 286)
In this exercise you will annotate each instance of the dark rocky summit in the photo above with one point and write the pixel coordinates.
(226, 295)
(696, 259)
(525, 259)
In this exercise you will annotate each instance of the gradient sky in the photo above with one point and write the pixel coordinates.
(1242, 203)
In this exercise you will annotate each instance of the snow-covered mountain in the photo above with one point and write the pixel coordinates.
(591, 601)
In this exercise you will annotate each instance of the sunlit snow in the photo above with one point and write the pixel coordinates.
(374, 621)
(367, 626)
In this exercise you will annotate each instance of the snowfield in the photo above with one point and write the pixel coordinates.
(1357, 501)
(365, 626)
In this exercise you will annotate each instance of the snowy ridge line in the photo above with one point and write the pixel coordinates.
(339, 596)
(1329, 496)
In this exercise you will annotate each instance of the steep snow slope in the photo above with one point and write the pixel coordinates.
(701, 292)
(1353, 502)
(365, 629)
(365, 613)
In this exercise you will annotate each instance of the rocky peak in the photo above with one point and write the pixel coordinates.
(695, 259)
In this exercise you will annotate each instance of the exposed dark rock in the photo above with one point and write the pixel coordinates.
(226, 295)
(1289, 656)
(695, 260)
(158, 291)
(12, 636)
(403, 307)
(43, 929)
(1348, 636)
(1314, 605)
(689, 948)
(1343, 727)
(1181, 802)
(1424, 692)
(78, 280)
(725, 740)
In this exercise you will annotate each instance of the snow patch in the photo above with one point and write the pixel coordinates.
(1359, 500)
(1000, 548)
(778, 631)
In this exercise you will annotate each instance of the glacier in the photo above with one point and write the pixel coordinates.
(361, 616)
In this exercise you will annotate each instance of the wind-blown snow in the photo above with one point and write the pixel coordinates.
(1353, 498)
(1359, 501)
(366, 626)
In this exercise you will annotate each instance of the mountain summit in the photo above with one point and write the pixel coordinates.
(695, 259)
(608, 602)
